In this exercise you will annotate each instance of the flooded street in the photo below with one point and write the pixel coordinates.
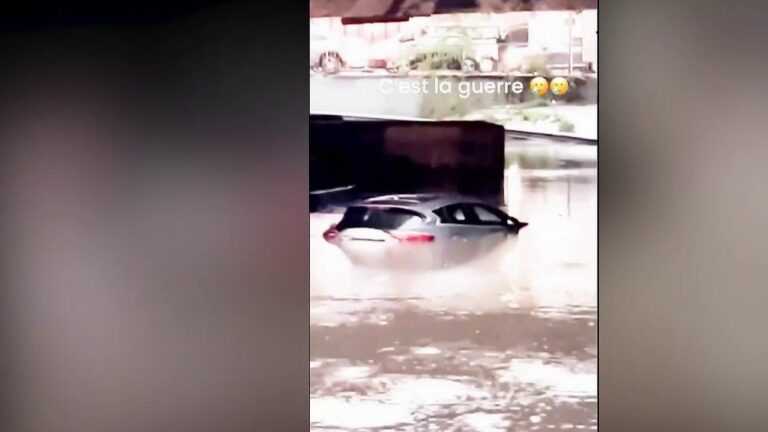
(505, 342)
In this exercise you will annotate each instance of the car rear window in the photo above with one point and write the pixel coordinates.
(383, 218)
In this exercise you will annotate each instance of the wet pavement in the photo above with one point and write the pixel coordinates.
(507, 342)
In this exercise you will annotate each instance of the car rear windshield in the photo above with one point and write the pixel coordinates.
(383, 218)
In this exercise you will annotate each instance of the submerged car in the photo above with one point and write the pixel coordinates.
(420, 231)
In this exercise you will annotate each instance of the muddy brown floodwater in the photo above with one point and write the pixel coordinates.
(507, 342)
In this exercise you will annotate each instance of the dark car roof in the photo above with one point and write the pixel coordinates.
(424, 203)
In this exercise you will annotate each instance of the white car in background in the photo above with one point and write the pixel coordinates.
(330, 55)
(518, 55)
(382, 54)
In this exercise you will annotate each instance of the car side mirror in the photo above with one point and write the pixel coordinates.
(516, 225)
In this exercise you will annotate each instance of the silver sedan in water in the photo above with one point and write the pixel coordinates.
(420, 231)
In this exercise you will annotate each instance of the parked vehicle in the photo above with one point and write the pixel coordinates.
(420, 230)
(517, 55)
(383, 54)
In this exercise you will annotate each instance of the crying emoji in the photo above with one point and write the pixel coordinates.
(558, 86)
(539, 86)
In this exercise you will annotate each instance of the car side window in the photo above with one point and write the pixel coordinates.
(486, 215)
(453, 214)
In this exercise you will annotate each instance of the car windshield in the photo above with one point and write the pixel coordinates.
(383, 218)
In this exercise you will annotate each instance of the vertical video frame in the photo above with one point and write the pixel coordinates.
(453, 215)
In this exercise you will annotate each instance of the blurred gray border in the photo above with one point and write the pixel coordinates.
(683, 261)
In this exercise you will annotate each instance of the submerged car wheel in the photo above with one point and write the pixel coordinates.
(330, 63)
